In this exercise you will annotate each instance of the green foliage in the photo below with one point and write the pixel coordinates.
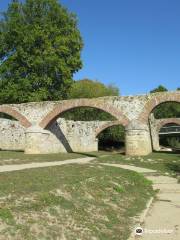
(6, 215)
(89, 89)
(160, 88)
(174, 142)
(92, 89)
(119, 188)
(171, 141)
(168, 109)
(40, 49)
(113, 136)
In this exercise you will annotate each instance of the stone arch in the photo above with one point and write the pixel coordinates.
(155, 100)
(107, 125)
(163, 122)
(71, 104)
(12, 112)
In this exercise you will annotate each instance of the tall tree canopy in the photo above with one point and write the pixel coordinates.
(40, 48)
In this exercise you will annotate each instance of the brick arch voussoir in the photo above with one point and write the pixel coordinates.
(63, 107)
(14, 113)
(154, 102)
(167, 121)
(107, 125)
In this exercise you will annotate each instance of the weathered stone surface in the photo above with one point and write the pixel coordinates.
(60, 136)
(156, 125)
(131, 111)
(12, 135)
(138, 140)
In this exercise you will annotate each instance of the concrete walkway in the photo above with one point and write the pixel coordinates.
(17, 167)
(162, 221)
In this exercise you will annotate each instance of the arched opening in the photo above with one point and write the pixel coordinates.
(167, 110)
(7, 116)
(87, 114)
(112, 139)
(164, 125)
(156, 101)
(71, 105)
(76, 129)
(169, 137)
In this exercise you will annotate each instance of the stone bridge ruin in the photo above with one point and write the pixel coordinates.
(40, 130)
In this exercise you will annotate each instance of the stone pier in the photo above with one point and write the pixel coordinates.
(40, 133)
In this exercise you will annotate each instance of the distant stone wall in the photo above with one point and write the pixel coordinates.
(61, 136)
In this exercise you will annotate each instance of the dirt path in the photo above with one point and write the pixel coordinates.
(17, 167)
(163, 219)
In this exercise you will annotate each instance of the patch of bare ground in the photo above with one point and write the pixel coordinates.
(70, 202)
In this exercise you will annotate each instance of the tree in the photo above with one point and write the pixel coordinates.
(92, 89)
(87, 88)
(160, 88)
(168, 109)
(40, 48)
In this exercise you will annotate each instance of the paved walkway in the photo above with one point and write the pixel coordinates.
(17, 167)
(163, 219)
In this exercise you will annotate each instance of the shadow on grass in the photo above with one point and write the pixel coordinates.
(87, 154)
(175, 167)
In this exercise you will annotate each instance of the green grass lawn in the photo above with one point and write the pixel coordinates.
(71, 202)
(13, 157)
(162, 162)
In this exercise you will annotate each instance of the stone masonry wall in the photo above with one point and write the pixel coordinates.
(124, 108)
(12, 135)
(155, 126)
(63, 136)
(130, 111)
